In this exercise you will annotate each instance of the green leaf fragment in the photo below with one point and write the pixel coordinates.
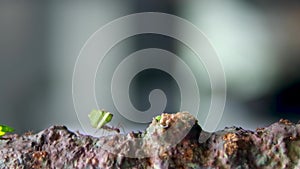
(4, 129)
(2, 133)
(98, 118)
(158, 118)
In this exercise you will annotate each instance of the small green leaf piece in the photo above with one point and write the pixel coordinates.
(4, 129)
(2, 133)
(99, 118)
(158, 118)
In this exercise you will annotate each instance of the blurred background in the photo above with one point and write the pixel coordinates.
(258, 43)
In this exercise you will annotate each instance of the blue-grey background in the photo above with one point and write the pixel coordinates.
(258, 43)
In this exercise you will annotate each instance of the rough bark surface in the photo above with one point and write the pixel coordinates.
(174, 141)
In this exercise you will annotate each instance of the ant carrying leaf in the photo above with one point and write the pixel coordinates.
(99, 119)
(5, 129)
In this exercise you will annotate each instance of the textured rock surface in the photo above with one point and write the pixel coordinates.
(164, 144)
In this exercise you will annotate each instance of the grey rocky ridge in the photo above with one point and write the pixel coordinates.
(172, 141)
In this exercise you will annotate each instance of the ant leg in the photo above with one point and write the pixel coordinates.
(121, 126)
(4, 138)
(102, 132)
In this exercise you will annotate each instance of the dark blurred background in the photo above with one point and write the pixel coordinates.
(258, 43)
